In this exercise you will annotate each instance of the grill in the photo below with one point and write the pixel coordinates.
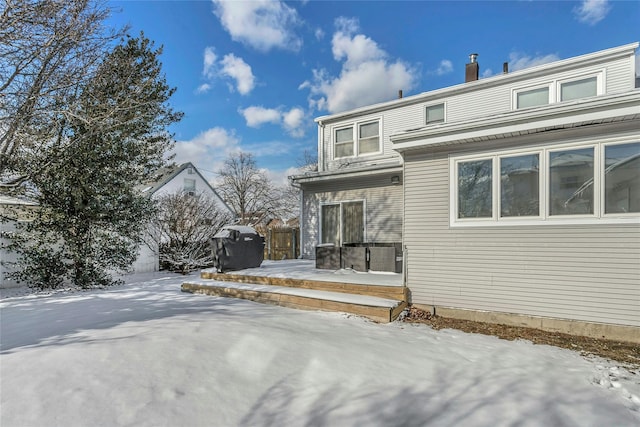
(237, 247)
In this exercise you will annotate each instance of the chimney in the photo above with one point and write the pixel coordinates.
(472, 69)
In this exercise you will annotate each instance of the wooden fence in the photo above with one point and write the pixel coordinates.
(281, 243)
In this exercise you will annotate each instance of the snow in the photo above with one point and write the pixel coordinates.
(305, 269)
(146, 354)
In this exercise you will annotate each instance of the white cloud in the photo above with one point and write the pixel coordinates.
(257, 116)
(203, 88)
(445, 67)
(230, 66)
(261, 24)
(592, 11)
(239, 70)
(208, 150)
(209, 62)
(292, 120)
(319, 34)
(367, 75)
(520, 61)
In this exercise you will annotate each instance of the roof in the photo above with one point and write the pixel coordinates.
(501, 79)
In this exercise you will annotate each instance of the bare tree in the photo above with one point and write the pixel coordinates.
(48, 50)
(183, 229)
(247, 189)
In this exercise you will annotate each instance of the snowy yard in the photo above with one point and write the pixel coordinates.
(146, 354)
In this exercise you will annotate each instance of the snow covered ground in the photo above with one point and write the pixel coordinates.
(146, 354)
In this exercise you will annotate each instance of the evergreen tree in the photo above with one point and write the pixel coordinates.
(92, 214)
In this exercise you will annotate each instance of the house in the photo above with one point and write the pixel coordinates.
(169, 180)
(516, 197)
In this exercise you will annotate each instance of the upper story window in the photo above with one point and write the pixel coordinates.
(577, 89)
(367, 141)
(189, 184)
(435, 114)
(532, 97)
(558, 91)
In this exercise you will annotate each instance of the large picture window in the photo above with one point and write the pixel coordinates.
(367, 139)
(596, 181)
(342, 222)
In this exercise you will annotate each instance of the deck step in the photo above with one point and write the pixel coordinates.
(376, 308)
(390, 292)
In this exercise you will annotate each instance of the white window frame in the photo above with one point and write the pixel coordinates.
(515, 92)
(598, 216)
(599, 84)
(356, 138)
(555, 87)
(444, 116)
(340, 203)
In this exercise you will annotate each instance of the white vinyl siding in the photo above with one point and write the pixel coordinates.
(580, 272)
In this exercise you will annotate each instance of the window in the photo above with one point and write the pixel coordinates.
(435, 114)
(582, 183)
(571, 182)
(622, 178)
(189, 184)
(559, 90)
(342, 223)
(344, 142)
(579, 89)
(520, 186)
(474, 189)
(330, 224)
(368, 141)
(532, 97)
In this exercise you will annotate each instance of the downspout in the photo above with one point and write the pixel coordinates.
(301, 219)
(321, 167)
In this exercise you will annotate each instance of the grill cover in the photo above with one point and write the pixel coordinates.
(237, 247)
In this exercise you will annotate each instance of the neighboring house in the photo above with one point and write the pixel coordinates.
(12, 211)
(517, 194)
(170, 180)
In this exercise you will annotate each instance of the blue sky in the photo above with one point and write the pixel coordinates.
(252, 75)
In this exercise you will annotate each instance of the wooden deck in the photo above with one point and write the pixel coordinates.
(379, 303)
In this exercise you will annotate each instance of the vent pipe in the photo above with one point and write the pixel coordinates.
(400, 94)
(505, 68)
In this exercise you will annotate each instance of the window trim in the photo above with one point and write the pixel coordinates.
(598, 217)
(599, 75)
(516, 91)
(355, 127)
(555, 87)
(340, 203)
(444, 113)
